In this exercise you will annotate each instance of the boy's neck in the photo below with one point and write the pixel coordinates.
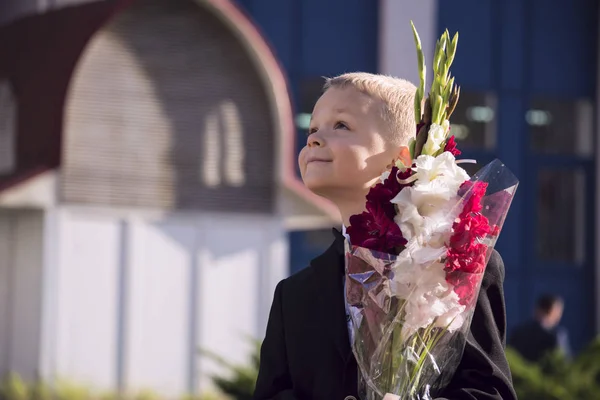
(348, 209)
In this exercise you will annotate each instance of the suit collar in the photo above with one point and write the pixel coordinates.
(329, 274)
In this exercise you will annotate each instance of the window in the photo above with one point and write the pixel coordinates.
(562, 126)
(223, 159)
(7, 129)
(474, 121)
(561, 215)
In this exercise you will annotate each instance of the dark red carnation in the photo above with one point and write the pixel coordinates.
(374, 230)
(381, 194)
(451, 147)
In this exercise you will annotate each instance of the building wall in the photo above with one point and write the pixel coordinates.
(21, 253)
(535, 67)
(134, 298)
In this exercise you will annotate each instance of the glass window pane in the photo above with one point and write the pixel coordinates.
(473, 122)
(561, 215)
(562, 126)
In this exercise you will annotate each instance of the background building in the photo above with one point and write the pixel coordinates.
(149, 198)
(146, 189)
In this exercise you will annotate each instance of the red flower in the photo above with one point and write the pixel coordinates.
(495, 230)
(466, 256)
(374, 230)
(472, 193)
(464, 268)
(468, 229)
(468, 259)
(451, 147)
(381, 194)
(465, 286)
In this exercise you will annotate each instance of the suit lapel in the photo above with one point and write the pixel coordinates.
(329, 273)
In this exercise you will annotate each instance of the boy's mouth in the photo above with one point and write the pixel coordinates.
(317, 160)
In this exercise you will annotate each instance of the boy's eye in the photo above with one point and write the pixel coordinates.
(340, 125)
(311, 131)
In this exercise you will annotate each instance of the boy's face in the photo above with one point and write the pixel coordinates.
(347, 148)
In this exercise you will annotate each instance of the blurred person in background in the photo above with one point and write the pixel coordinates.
(543, 335)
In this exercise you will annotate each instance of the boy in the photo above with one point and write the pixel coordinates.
(360, 123)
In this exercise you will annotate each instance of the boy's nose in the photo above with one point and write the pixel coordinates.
(314, 141)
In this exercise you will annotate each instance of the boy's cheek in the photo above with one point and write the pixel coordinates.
(301, 158)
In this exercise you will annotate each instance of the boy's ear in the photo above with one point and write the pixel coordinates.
(404, 156)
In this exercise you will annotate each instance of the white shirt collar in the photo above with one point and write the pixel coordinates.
(345, 234)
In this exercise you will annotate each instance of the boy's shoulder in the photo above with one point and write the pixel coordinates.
(495, 270)
(320, 271)
(300, 278)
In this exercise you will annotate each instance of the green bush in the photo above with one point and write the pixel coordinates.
(12, 387)
(556, 378)
(240, 380)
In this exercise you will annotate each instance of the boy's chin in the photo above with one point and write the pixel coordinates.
(329, 190)
(320, 187)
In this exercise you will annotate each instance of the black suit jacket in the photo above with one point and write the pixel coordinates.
(306, 353)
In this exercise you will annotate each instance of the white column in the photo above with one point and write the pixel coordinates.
(397, 53)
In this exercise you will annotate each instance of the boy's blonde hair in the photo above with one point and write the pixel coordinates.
(397, 96)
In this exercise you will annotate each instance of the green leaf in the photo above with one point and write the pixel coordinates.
(440, 110)
(411, 147)
(418, 112)
(448, 90)
(452, 49)
(422, 71)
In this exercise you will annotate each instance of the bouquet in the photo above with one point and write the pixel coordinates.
(417, 255)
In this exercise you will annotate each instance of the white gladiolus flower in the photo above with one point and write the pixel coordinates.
(425, 217)
(408, 218)
(439, 175)
(454, 318)
(428, 297)
(435, 138)
(425, 209)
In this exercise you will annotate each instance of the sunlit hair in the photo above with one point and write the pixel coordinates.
(396, 95)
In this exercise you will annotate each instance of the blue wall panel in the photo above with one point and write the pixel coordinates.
(339, 36)
(473, 66)
(519, 49)
(564, 46)
(276, 21)
(511, 57)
